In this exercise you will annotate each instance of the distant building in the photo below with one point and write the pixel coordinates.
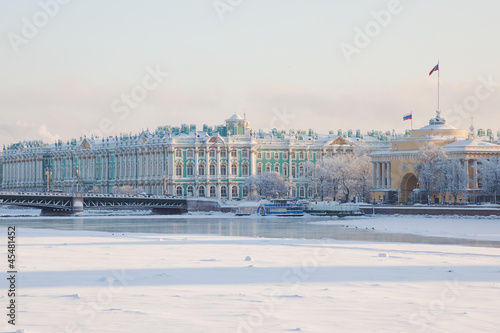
(394, 177)
(213, 162)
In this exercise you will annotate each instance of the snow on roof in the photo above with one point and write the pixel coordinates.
(235, 117)
(471, 143)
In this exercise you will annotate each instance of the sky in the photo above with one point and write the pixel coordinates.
(75, 68)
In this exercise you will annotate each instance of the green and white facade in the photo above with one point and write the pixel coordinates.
(213, 162)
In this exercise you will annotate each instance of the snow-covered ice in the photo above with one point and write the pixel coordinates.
(86, 281)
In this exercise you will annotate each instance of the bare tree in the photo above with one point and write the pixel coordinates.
(267, 184)
(489, 175)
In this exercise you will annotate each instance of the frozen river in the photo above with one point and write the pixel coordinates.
(346, 229)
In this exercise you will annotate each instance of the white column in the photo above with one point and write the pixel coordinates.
(374, 175)
(388, 174)
(379, 175)
(474, 174)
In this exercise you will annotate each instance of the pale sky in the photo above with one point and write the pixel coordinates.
(282, 62)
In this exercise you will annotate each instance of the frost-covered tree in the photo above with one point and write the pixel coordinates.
(268, 184)
(453, 178)
(428, 167)
(489, 176)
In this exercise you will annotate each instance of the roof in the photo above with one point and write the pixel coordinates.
(235, 117)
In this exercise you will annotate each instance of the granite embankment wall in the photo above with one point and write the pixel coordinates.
(431, 210)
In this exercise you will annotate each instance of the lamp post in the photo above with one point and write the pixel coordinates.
(48, 174)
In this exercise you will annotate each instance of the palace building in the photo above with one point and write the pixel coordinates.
(394, 177)
(212, 162)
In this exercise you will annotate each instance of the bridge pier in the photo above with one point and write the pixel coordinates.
(76, 207)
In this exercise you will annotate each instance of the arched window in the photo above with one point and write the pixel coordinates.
(277, 168)
(234, 169)
(302, 191)
(189, 170)
(212, 169)
(301, 171)
(201, 191)
(212, 191)
(201, 169)
(294, 192)
(244, 169)
(285, 169)
(310, 192)
(294, 171)
(244, 191)
(259, 168)
(178, 169)
(223, 170)
(268, 167)
(190, 190)
(234, 191)
(179, 190)
(223, 191)
(301, 155)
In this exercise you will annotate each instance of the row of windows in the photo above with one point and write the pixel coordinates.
(310, 155)
(212, 169)
(211, 153)
(212, 191)
(276, 168)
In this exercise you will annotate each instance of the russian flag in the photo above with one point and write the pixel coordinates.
(407, 117)
(436, 68)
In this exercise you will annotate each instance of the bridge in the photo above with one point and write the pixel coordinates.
(64, 204)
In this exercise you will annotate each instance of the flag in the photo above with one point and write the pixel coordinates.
(436, 68)
(407, 117)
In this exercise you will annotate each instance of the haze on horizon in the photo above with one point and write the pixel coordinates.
(68, 72)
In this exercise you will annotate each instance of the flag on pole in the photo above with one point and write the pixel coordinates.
(407, 117)
(436, 68)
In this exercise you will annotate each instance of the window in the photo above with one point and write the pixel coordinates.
(223, 191)
(201, 169)
(234, 153)
(302, 192)
(259, 155)
(301, 155)
(301, 171)
(223, 170)
(294, 192)
(178, 153)
(310, 192)
(234, 169)
(190, 153)
(276, 155)
(268, 155)
(234, 191)
(201, 153)
(201, 191)
(179, 190)
(285, 155)
(244, 153)
(268, 167)
(310, 155)
(310, 171)
(294, 171)
(285, 170)
(189, 170)
(212, 153)
(212, 191)
(244, 191)
(223, 153)
(259, 169)
(277, 168)
(244, 169)
(212, 169)
(292, 155)
(190, 190)
(178, 169)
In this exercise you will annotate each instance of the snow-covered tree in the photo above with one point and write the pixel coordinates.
(489, 176)
(268, 184)
(453, 179)
(428, 167)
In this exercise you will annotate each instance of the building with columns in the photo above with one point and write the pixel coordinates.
(394, 178)
(212, 162)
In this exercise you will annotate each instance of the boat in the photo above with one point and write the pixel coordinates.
(281, 207)
(247, 208)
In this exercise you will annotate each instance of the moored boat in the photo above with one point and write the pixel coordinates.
(281, 207)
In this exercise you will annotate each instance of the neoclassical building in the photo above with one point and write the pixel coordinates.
(394, 177)
(212, 162)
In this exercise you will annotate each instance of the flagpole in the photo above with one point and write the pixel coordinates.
(439, 70)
